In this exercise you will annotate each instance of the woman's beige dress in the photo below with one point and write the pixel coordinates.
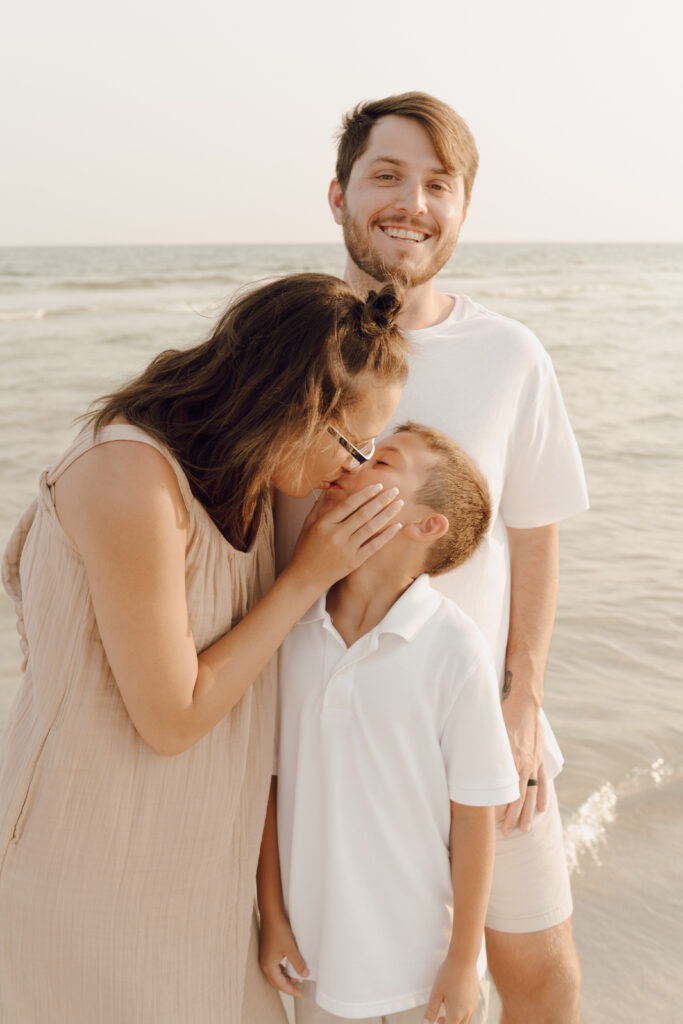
(126, 878)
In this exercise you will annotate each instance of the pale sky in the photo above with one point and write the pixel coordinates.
(161, 121)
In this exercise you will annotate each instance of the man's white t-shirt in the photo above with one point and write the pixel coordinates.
(375, 741)
(487, 382)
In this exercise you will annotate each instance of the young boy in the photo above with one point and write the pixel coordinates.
(392, 756)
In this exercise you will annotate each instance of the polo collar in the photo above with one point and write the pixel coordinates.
(405, 618)
(316, 612)
(414, 608)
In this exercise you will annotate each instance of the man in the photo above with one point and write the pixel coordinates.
(405, 170)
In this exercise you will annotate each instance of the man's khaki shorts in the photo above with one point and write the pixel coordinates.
(530, 890)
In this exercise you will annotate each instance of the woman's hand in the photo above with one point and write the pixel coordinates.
(338, 537)
(278, 943)
(23, 639)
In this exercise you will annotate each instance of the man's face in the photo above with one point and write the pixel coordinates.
(401, 211)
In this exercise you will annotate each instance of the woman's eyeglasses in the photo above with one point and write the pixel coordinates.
(358, 455)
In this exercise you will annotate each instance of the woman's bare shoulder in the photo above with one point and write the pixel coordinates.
(115, 482)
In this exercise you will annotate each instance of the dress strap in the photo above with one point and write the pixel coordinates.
(118, 432)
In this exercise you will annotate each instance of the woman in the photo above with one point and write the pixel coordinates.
(135, 771)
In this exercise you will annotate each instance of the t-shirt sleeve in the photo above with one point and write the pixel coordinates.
(479, 767)
(544, 480)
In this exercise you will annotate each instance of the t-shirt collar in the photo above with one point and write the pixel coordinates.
(456, 314)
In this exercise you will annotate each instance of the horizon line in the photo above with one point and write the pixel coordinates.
(340, 244)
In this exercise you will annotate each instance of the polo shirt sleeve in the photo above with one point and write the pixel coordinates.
(544, 480)
(479, 767)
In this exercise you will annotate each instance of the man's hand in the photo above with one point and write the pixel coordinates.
(278, 943)
(457, 989)
(524, 732)
(23, 639)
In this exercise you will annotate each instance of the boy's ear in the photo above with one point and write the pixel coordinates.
(335, 198)
(429, 529)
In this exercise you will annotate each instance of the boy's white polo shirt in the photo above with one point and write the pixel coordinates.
(375, 741)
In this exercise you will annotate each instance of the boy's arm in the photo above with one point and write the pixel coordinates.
(277, 939)
(471, 845)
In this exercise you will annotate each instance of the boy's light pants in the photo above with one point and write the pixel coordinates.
(307, 1010)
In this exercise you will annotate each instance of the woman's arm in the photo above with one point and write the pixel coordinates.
(121, 505)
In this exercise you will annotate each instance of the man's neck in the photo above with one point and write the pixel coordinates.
(423, 306)
(360, 601)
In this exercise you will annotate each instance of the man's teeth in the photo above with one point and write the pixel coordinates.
(414, 236)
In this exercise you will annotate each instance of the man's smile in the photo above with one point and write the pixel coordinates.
(406, 234)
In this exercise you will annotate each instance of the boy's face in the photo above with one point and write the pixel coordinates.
(401, 460)
(401, 211)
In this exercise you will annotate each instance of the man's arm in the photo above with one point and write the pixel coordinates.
(471, 848)
(534, 572)
(277, 939)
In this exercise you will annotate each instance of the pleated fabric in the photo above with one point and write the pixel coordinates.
(127, 879)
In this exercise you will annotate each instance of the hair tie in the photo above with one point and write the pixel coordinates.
(381, 309)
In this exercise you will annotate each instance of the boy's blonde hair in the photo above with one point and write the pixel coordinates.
(454, 487)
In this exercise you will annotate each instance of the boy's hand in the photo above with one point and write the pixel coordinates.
(278, 942)
(457, 988)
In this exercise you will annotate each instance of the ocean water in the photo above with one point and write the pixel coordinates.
(75, 322)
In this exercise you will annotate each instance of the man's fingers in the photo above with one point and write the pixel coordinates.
(542, 795)
(511, 817)
(528, 808)
(514, 809)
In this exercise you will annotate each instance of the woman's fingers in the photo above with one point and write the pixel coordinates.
(341, 511)
(366, 531)
(314, 514)
(378, 541)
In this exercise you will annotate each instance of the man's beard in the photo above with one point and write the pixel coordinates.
(375, 266)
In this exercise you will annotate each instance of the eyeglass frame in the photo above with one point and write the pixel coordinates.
(358, 457)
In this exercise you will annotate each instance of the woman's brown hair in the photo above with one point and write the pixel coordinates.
(281, 363)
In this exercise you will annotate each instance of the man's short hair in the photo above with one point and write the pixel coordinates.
(450, 135)
(454, 487)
